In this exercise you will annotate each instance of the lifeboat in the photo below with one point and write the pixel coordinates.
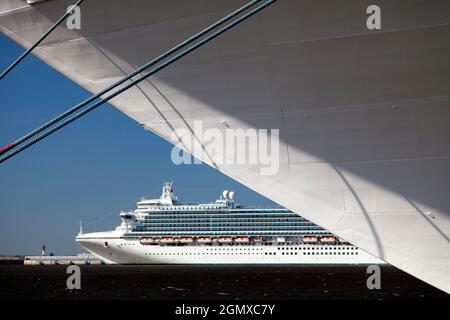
(328, 239)
(186, 239)
(226, 239)
(204, 240)
(167, 240)
(242, 239)
(309, 239)
(147, 240)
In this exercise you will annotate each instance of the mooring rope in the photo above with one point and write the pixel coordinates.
(23, 55)
(181, 45)
(135, 82)
(143, 77)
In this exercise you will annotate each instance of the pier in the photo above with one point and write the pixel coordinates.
(11, 259)
(80, 259)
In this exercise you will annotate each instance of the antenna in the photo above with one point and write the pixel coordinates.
(81, 229)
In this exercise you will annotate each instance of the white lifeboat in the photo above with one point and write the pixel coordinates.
(242, 239)
(309, 239)
(167, 240)
(186, 239)
(328, 239)
(204, 240)
(147, 240)
(226, 239)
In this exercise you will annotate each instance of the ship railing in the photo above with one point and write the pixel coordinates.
(57, 258)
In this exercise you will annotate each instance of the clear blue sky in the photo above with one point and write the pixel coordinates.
(95, 167)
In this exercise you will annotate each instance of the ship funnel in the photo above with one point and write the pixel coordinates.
(231, 195)
(167, 196)
(225, 194)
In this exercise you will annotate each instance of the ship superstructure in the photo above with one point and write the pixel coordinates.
(167, 231)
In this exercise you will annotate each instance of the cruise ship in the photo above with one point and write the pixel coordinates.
(167, 231)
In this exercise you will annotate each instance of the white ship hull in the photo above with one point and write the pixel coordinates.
(121, 251)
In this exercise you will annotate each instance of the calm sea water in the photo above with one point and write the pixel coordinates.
(210, 282)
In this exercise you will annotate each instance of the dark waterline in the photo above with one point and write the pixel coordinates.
(211, 282)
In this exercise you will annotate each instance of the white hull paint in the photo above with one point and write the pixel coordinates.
(121, 251)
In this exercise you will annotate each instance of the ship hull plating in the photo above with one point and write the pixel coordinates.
(120, 251)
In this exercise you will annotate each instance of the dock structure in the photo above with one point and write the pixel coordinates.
(79, 259)
(11, 259)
